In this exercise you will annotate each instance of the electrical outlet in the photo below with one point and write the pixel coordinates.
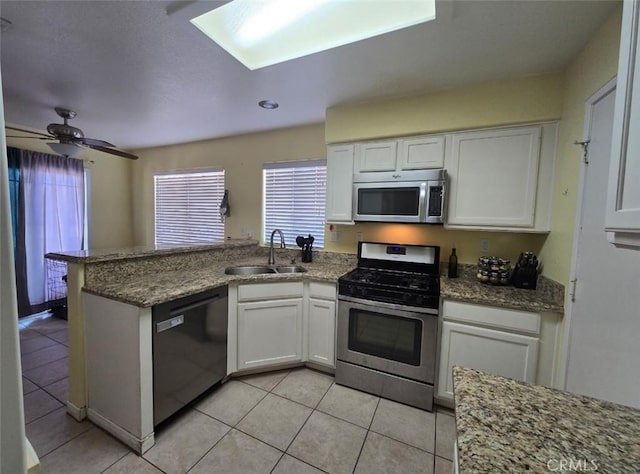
(359, 237)
(484, 245)
(335, 236)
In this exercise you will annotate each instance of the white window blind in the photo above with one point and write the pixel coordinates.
(294, 200)
(188, 207)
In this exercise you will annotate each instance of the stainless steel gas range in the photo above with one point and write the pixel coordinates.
(388, 322)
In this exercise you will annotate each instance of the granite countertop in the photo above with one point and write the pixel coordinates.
(156, 288)
(508, 426)
(548, 297)
(104, 255)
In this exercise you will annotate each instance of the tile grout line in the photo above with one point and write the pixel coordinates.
(116, 461)
(366, 436)
(435, 440)
(299, 430)
(68, 441)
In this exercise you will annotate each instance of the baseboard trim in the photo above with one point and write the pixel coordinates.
(139, 445)
(78, 413)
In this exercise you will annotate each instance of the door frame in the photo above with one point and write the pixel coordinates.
(569, 304)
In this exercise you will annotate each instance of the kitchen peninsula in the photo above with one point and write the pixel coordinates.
(129, 282)
(508, 426)
(144, 276)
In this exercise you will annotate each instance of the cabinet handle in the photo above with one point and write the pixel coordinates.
(395, 176)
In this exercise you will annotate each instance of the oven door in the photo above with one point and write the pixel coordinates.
(388, 337)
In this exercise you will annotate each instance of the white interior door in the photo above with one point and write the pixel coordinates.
(603, 352)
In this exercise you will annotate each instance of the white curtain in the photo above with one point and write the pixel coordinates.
(52, 206)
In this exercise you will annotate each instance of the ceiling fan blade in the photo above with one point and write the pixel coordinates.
(113, 151)
(34, 138)
(94, 142)
(23, 130)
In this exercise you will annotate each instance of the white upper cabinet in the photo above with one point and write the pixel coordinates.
(413, 153)
(502, 179)
(376, 156)
(339, 183)
(421, 152)
(623, 197)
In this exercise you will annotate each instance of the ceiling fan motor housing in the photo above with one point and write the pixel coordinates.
(65, 132)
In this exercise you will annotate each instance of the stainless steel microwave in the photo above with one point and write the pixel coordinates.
(401, 196)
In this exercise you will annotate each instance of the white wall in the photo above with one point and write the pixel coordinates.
(12, 437)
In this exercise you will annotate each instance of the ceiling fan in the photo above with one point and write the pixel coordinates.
(71, 140)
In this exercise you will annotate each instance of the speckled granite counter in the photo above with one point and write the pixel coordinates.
(108, 255)
(509, 426)
(145, 276)
(547, 297)
(151, 287)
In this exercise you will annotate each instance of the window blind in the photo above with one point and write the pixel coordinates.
(294, 200)
(187, 207)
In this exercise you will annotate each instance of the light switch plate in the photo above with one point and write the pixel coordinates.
(484, 245)
(335, 236)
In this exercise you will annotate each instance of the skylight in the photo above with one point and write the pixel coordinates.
(260, 33)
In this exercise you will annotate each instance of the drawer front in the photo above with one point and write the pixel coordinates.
(491, 316)
(270, 291)
(325, 291)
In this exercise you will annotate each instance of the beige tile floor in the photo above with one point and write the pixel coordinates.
(286, 422)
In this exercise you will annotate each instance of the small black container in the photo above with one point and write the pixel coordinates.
(525, 273)
(307, 247)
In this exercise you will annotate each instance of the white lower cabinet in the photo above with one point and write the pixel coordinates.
(521, 345)
(119, 369)
(498, 352)
(269, 332)
(271, 324)
(321, 332)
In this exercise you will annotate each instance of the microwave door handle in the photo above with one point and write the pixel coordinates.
(422, 206)
(443, 194)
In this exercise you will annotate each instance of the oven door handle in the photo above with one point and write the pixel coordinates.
(397, 307)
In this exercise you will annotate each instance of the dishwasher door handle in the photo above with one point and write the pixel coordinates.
(170, 323)
(184, 309)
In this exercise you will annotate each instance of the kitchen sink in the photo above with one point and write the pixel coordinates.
(263, 269)
(249, 270)
(290, 269)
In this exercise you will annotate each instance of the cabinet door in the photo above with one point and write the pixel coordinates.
(377, 156)
(322, 327)
(421, 153)
(493, 176)
(623, 196)
(497, 352)
(339, 183)
(269, 332)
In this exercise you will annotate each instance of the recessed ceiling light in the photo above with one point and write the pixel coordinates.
(262, 33)
(268, 104)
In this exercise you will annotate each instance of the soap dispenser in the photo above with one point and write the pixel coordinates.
(453, 264)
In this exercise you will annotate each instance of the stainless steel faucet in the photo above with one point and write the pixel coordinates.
(272, 260)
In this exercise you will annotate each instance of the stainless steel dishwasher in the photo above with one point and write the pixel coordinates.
(189, 349)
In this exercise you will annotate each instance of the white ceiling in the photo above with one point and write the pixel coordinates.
(139, 76)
